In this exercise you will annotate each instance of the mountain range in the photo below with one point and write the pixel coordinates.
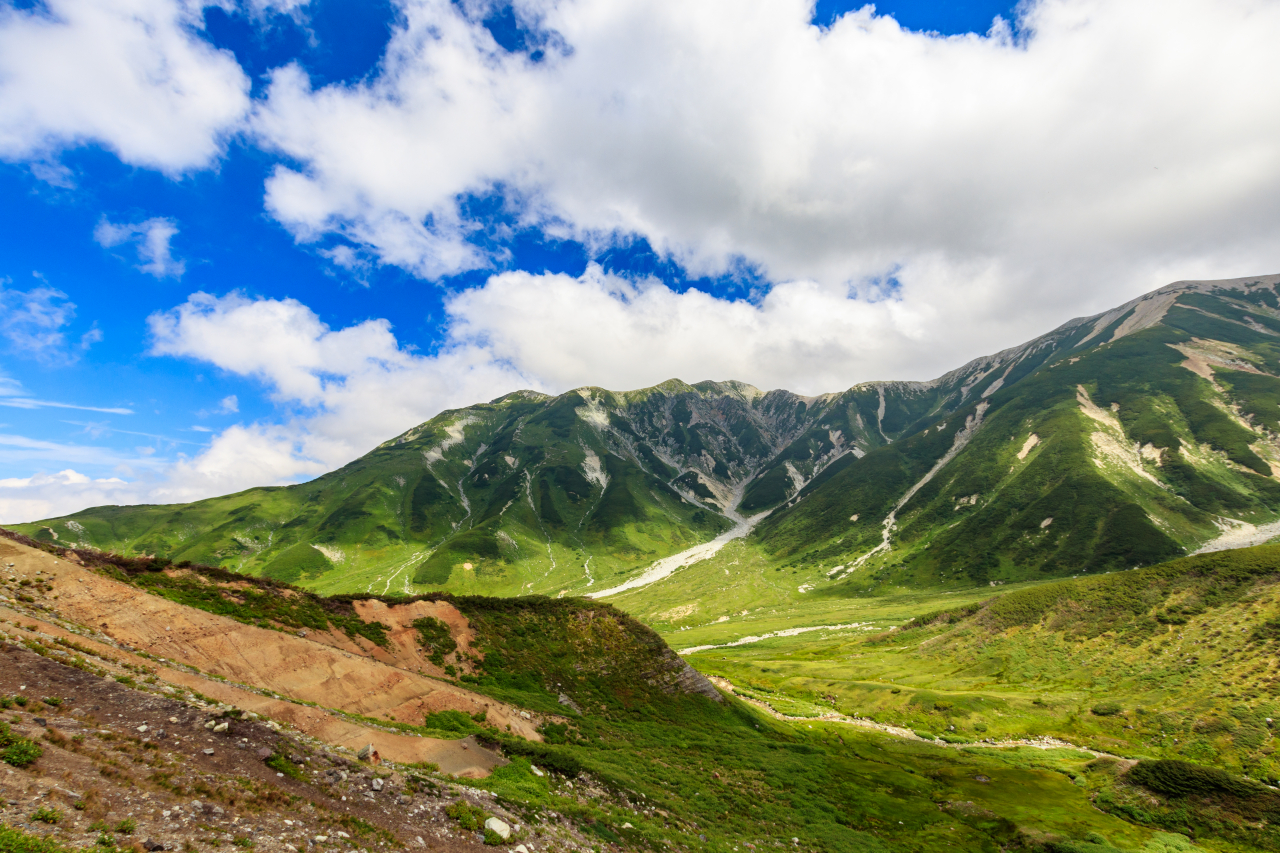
(1114, 441)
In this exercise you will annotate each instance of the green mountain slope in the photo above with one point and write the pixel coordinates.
(1139, 435)
(1113, 441)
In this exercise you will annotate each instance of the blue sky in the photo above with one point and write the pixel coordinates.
(334, 219)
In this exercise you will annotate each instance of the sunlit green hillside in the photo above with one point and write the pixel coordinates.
(1114, 441)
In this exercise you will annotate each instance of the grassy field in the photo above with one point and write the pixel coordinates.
(1171, 662)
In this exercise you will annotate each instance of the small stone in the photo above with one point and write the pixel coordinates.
(207, 751)
(209, 725)
(525, 715)
(405, 800)
(142, 728)
(221, 727)
(40, 721)
(320, 839)
(264, 753)
(536, 771)
(498, 826)
(152, 846)
(627, 825)
(173, 719)
(520, 848)
(376, 784)
(197, 805)
(343, 834)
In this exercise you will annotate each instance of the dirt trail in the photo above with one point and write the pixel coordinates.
(906, 734)
(291, 666)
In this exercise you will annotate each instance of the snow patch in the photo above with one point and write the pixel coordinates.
(1239, 534)
(593, 412)
(334, 555)
(455, 432)
(593, 470)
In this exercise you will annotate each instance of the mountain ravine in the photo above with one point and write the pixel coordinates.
(1113, 441)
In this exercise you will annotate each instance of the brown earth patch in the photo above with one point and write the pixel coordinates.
(405, 650)
(297, 668)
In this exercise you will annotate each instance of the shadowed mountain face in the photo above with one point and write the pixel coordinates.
(1114, 441)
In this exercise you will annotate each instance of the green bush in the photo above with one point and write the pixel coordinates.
(1106, 709)
(281, 764)
(492, 838)
(1181, 779)
(16, 841)
(126, 826)
(435, 638)
(450, 721)
(44, 814)
(18, 751)
(469, 817)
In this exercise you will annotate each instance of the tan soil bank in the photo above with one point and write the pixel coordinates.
(294, 667)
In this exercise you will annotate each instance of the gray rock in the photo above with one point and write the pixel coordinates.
(376, 784)
(498, 826)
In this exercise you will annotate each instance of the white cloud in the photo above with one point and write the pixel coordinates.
(1117, 145)
(50, 495)
(604, 330)
(33, 321)
(151, 239)
(343, 391)
(229, 405)
(132, 75)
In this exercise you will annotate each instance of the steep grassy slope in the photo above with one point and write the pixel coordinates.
(1126, 446)
(1114, 441)
(525, 494)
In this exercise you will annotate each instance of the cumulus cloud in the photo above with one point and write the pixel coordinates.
(151, 240)
(50, 495)
(132, 75)
(1107, 148)
(343, 390)
(599, 329)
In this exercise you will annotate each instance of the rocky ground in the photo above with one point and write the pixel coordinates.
(146, 753)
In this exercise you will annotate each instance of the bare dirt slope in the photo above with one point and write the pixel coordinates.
(294, 667)
(122, 764)
(404, 651)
